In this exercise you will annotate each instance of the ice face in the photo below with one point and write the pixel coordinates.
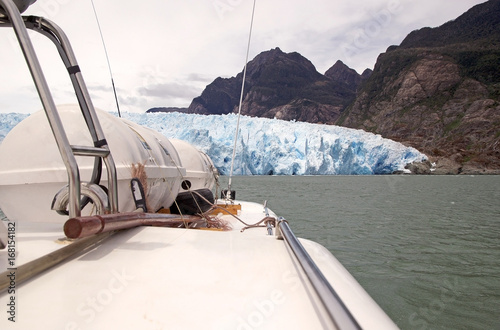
(271, 146)
(8, 121)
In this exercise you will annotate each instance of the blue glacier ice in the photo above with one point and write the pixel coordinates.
(8, 121)
(272, 146)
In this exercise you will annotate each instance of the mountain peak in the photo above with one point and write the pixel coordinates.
(480, 22)
(278, 85)
(282, 61)
(343, 74)
(439, 91)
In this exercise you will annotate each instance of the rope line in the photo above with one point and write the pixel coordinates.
(241, 100)
(107, 59)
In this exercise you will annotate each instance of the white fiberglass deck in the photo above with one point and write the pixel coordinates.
(166, 278)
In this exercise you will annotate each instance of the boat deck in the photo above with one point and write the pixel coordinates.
(176, 278)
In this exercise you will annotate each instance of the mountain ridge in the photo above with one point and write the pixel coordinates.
(279, 85)
(438, 91)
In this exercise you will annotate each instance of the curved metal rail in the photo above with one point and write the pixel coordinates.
(335, 308)
(11, 17)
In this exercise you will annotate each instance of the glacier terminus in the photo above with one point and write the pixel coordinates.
(272, 146)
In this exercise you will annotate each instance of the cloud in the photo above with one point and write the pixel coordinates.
(168, 51)
(169, 90)
(199, 78)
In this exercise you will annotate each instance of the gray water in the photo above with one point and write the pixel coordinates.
(426, 248)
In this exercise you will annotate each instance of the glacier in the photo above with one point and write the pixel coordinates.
(272, 146)
(8, 121)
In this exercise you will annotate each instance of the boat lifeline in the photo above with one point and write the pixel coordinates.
(111, 225)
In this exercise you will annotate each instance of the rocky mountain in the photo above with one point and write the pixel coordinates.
(284, 86)
(342, 74)
(439, 91)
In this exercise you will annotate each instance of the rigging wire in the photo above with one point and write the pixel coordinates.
(107, 59)
(241, 101)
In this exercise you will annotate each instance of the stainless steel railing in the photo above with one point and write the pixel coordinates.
(336, 310)
(100, 149)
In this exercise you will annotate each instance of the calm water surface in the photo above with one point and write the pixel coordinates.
(427, 248)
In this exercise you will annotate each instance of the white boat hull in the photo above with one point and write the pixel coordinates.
(166, 278)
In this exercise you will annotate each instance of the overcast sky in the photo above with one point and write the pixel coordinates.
(164, 52)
